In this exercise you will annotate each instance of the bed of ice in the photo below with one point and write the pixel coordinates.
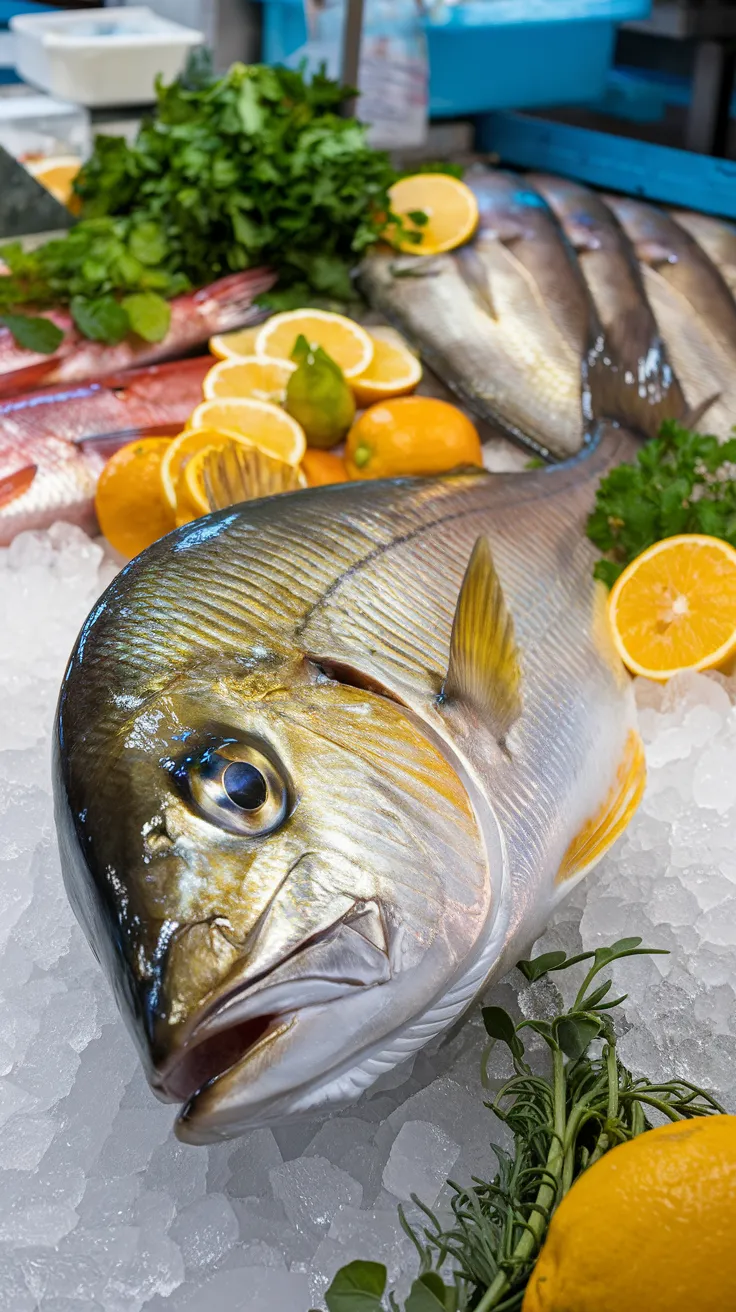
(101, 1207)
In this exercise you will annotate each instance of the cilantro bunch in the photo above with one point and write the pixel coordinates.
(256, 167)
(682, 482)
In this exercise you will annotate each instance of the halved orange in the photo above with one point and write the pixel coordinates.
(343, 339)
(674, 607)
(450, 207)
(252, 375)
(265, 425)
(130, 510)
(393, 371)
(234, 345)
(181, 451)
(57, 175)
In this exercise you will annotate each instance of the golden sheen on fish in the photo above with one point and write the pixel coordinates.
(694, 309)
(505, 321)
(647, 391)
(717, 237)
(325, 762)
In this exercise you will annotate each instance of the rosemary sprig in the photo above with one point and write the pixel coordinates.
(561, 1125)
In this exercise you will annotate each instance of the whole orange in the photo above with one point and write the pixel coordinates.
(323, 467)
(130, 509)
(411, 435)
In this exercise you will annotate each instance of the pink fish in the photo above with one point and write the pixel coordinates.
(225, 304)
(54, 441)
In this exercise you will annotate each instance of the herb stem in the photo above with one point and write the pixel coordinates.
(546, 1194)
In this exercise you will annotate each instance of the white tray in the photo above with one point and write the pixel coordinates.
(101, 56)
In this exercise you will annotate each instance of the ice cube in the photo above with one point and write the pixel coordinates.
(419, 1162)
(312, 1190)
(205, 1231)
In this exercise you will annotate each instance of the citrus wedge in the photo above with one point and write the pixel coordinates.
(674, 607)
(253, 376)
(130, 510)
(57, 176)
(233, 346)
(265, 425)
(450, 207)
(180, 452)
(344, 340)
(393, 371)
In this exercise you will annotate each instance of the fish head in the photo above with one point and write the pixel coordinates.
(281, 873)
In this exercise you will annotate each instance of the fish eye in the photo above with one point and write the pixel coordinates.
(237, 786)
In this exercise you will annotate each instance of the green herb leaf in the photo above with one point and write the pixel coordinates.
(500, 1026)
(539, 966)
(357, 1287)
(102, 319)
(575, 1034)
(429, 1294)
(33, 333)
(147, 243)
(149, 315)
(418, 218)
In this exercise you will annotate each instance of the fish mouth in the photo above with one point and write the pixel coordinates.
(254, 1012)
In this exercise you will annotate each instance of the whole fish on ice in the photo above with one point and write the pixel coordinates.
(54, 441)
(647, 391)
(694, 309)
(506, 320)
(195, 316)
(717, 237)
(324, 764)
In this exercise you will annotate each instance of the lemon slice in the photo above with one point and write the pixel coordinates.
(450, 206)
(344, 340)
(265, 425)
(674, 607)
(234, 345)
(252, 376)
(393, 371)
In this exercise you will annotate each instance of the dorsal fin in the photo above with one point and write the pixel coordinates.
(484, 667)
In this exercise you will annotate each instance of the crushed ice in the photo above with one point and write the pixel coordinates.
(101, 1208)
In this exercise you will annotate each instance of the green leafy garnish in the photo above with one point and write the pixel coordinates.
(102, 319)
(256, 167)
(149, 315)
(33, 332)
(562, 1123)
(682, 482)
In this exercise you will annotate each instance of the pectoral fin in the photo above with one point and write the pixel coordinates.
(484, 668)
(602, 829)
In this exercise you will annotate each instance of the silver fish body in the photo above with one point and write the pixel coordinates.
(300, 846)
(505, 321)
(717, 237)
(694, 309)
(647, 391)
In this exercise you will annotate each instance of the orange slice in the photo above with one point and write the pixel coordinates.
(393, 371)
(180, 452)
(323, 467)
(450, 207)
(674, 607)
(233, 346)
(130, 510)
(344, 340)
(253, 376)
(265, 425)
(57, 176)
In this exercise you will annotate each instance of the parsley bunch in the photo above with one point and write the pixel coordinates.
(682, 482)
(256, 167)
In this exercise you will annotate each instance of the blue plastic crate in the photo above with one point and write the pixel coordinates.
(496, 54)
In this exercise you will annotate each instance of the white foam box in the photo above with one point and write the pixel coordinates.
(101, 57)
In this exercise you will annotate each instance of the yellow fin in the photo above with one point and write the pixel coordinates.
(602, 830)
(484, 665)
(236, 473)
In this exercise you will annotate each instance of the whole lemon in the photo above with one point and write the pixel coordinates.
(411, 435)
(648, 1228)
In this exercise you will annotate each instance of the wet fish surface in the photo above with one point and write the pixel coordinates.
(54, 441)
(195, 316)
(647, 389)
(694, 309)
(717, 237)
(324, 764)
(506, 320)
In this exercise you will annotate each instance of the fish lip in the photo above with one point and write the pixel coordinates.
(242, 1017)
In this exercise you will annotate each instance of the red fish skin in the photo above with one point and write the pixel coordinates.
(54, 441)
(195, 316)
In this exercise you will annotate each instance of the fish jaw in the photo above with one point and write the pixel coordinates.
(254, 975)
